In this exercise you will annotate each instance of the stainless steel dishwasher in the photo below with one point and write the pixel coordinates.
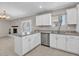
(45, 39)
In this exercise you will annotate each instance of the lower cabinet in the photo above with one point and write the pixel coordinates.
(73, 44)
(18, 45)
(57, 41)
(53, 40)
(61, 42)
(65, 42)
(26, 43)
(35, 40)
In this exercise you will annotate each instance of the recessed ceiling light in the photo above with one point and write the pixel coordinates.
(40, 6)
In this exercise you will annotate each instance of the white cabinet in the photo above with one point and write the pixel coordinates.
(26, 43)
(61, 42)
(53, 40)
(58, 41)
(18, 45)
(22, 45)
(77, 27)
(72, 16)
(43, 20)
(32, 41)
(73, 44)
(39, 20)
(65, 42)
(35, 40)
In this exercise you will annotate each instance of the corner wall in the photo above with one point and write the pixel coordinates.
(4, 28)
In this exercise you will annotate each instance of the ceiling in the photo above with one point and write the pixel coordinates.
(21, 9)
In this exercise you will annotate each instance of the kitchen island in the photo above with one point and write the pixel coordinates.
(25, 43)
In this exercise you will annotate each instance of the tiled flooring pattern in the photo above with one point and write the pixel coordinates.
(7, 49)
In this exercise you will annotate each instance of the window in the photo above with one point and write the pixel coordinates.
(59, 20)
(26, 25)
(62, 19)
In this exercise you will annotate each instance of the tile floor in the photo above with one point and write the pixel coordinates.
(46, 51)
(7, 49)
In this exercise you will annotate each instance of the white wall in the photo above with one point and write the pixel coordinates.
(59, 12)
(4, 28)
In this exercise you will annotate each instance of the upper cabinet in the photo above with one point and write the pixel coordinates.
(72, 16)
(43, 20)
(77, 27)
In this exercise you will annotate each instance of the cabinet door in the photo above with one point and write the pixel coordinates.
(72, 16)
(26, 44)
(43, 19)
(37, 39)
(32, 41)
(53, 40)
(73, 44)
(61, 42)
(39, 20)
(46, 19)
(18, 45)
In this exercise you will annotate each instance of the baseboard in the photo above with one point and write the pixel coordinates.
(31, 50)
(45, 45)
(65, 51)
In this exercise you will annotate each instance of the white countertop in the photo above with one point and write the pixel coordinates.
(20, 35)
